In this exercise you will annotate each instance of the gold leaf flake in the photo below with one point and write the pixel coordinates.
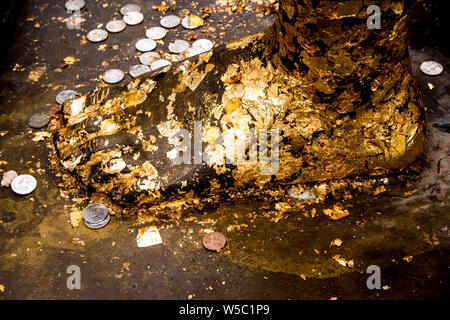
(41, 135)
(408, 258)
(70, 60)
(379, 190)
(336, 242)
(75, 218)
(195, 20)
(338, 212)
(35, 74)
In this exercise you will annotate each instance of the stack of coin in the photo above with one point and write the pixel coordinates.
(96, 216)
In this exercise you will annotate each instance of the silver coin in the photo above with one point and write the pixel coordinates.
(170, 21)
(115, 26)
(145, 45)
(113, 76)
(133, 17)
(156, 33)
(130, 8)
(39, 120)
(97, 35)
(23, 184)
(65, 95)
(160, 64)
(203, 45)
(74, 5)
(95, 213)
(431, 68)
(98, 225)
(186, 25)
(139, 69)
(148, 58)
(178, 46)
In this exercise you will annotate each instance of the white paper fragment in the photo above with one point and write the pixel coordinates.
(148, 237)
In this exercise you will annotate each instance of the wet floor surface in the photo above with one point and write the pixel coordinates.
(270, 254)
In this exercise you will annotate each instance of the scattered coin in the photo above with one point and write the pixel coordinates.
(138, 69)
(113, 76)
(95, 213)
(156, 33)
(98, 225)
(170, 22)
(23, 184)
(145, 45)
(178, 46)
(65, 95)
(8, 177)
(130, 8)
(214, 241)
(74, 5)
(39, 120)
(133, 17)
(431, 68)
(97, 35)
(160, 64)
(202, 45)
(148, 58)
(115, 26)
(191, 22)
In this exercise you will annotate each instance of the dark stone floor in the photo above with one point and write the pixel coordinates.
(264, 259)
